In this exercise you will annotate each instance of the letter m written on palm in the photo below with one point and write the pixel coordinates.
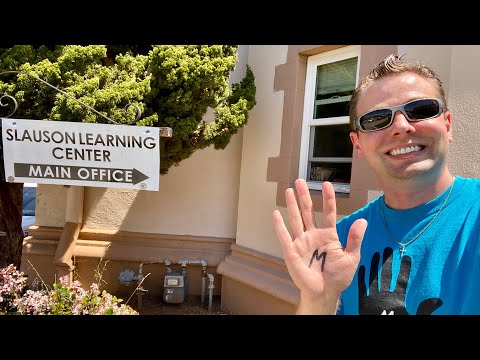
(321, 257)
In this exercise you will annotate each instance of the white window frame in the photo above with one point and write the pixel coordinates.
(308, 121)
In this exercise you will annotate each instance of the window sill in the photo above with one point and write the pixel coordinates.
(339, 187)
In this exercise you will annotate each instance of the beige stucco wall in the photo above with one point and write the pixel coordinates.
(51, 205)
(198, 197)
(464, 101)
(458, 67)
(261, 141)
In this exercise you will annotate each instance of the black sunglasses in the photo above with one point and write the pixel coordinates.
(416, 110)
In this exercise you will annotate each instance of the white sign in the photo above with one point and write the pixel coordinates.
(84, 154)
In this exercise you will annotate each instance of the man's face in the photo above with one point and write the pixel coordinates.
(428, 139)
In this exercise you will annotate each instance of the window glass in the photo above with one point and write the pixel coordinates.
(329, 141)
(334, 86)
(328, 171)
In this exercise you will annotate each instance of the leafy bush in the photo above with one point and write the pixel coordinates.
(16, 298)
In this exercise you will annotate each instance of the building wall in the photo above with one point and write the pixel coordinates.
(457, 66)
(198, 197)
(464, 102)
(261, 140)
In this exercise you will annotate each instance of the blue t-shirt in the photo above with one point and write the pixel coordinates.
(439, 273)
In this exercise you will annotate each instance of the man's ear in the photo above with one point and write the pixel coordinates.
(356, 142)
(448, 124)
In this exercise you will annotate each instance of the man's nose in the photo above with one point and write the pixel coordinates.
(401, 124)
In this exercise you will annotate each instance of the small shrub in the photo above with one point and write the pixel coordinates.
(17, 298)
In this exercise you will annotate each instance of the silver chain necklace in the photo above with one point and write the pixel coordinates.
(404, 245)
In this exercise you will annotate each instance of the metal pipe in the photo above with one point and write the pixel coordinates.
(140, 290)
(185, 282)
(211, 286)
(191, 262)
(204, 276)
(184, 263)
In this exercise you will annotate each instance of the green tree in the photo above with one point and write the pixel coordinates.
(172, 85)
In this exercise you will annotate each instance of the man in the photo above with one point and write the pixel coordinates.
(413, 250)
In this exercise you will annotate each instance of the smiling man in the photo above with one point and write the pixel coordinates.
(413, 250)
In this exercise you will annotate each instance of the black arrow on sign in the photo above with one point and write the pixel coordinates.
(46, 171)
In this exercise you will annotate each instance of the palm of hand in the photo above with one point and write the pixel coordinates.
(315, 258)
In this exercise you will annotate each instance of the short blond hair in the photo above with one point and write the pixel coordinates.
(390, 66)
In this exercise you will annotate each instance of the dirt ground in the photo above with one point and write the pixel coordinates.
(155, 305)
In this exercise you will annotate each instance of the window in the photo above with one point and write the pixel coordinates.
(326, 149)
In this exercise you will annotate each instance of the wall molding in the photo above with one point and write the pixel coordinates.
(130, 246)
(260, 271)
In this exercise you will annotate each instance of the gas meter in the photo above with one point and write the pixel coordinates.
(174, 287)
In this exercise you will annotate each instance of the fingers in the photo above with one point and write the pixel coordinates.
(329, 215)
(282, 232)
(355, 238)
(306, 204)
(294, 216)
(303, 218)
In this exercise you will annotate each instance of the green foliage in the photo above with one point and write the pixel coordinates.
(16, 298)
(62, 299)
(172, 85)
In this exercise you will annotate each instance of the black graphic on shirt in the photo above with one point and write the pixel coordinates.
(383, 301)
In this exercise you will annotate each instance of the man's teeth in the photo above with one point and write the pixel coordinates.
(406, 150)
